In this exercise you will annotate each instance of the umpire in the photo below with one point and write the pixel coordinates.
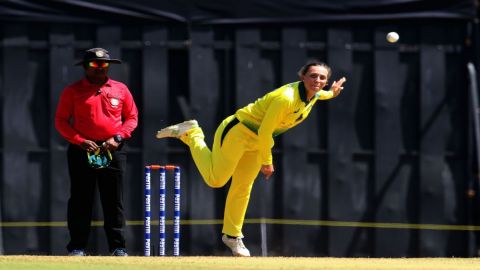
(96, 115)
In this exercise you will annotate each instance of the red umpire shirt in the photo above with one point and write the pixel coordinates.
(89, 111)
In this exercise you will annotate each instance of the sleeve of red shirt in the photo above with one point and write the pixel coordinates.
(129, 115)
(62, 118)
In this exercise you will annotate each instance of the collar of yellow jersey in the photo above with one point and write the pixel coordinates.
(302, 91)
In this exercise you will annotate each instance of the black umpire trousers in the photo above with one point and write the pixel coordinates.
(83, 183)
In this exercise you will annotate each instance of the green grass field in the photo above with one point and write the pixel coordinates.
(217, 263)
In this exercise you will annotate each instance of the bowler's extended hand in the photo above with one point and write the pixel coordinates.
(337, 86)
(267, 170)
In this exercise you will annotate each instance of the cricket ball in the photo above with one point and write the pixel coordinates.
(393, 37)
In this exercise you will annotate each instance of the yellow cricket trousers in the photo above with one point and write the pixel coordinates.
(234, 155)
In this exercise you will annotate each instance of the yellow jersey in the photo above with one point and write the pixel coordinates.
(276, 112)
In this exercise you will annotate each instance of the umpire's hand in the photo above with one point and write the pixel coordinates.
(110, 144)
(89, 146)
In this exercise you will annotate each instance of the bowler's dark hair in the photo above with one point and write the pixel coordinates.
(311, 63)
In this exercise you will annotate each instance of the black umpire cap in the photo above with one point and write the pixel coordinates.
(97, 54)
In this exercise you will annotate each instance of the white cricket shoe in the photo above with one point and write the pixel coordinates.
(236, 245)
(176, 131)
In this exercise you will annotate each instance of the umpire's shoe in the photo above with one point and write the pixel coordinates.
(120, 252)
(76, 252)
